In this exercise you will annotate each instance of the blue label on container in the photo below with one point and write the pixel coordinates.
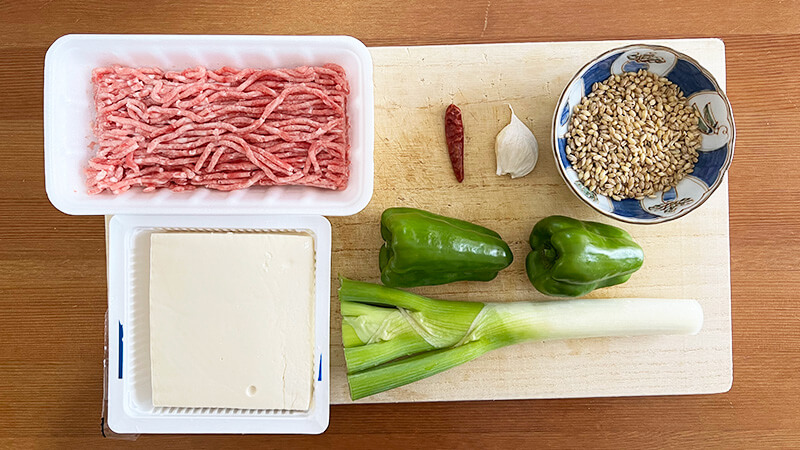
(119, 366)
(319, 377)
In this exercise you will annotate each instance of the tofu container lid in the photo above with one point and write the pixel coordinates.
(69, 112)
(130, 402)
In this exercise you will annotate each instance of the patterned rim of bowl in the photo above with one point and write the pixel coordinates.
(659, 219)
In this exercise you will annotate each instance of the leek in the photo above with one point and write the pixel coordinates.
(392, 337)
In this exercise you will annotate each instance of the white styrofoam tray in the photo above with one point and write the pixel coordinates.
(69, 112)
(130, 403)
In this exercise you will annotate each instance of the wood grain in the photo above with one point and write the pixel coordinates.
(52, 266)
(686, 258)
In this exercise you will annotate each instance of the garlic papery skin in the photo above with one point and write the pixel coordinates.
(516, 148)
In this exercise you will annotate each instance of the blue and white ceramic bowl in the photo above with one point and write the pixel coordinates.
(716, 124)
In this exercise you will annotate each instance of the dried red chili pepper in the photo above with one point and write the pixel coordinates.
(454, 133)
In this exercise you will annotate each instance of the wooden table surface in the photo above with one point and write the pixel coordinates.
(52, 266)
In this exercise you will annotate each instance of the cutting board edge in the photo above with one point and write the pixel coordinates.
(719, 42)
(722, 388)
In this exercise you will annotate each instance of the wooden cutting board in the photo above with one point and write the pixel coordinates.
(686, 258)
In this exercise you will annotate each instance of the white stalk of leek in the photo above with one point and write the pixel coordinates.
(392, 337)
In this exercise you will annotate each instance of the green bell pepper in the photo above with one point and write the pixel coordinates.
(570, 258)
(425, 249)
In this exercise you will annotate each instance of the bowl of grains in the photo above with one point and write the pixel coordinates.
(643, 134)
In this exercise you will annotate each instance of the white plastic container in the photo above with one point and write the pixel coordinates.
(69, 111)
(130, 404)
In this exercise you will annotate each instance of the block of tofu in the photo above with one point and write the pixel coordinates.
(232, 320)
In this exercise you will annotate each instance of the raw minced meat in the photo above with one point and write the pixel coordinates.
(222, 129)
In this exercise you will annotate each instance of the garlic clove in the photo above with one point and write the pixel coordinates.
(516, 148)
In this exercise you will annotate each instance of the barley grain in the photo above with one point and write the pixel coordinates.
(633, 135)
